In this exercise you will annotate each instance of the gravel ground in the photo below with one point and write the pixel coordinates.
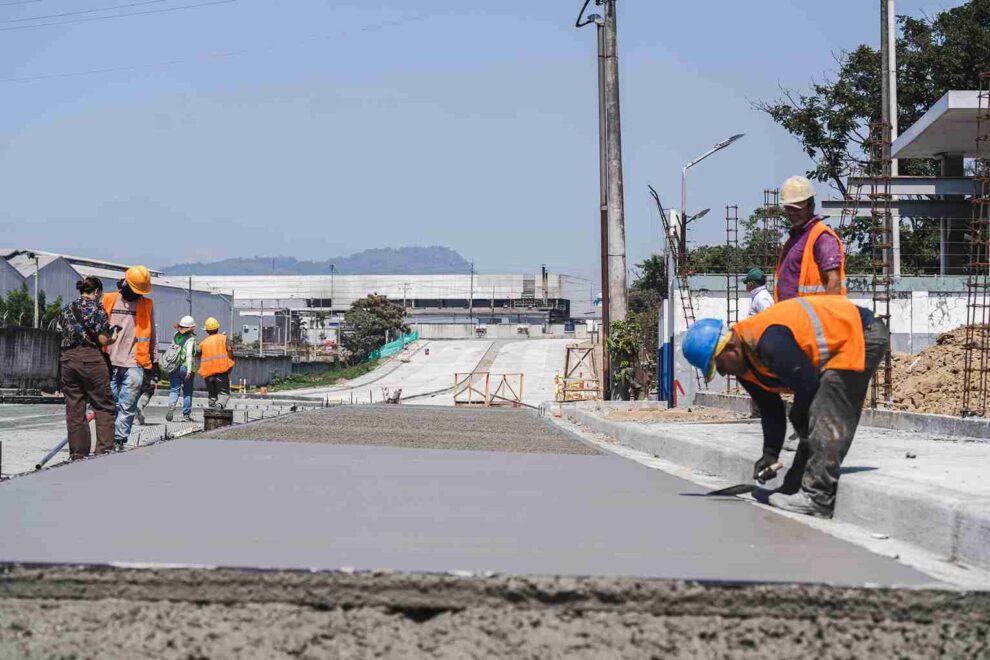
(203, 613)
(425, 427)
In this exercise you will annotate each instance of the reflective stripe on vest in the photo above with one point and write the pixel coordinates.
(816, 323)
(819, 288)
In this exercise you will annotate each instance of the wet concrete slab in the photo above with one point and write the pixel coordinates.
(316, 506)
(425, 427)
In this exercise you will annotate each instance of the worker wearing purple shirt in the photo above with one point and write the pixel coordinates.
(795, 276)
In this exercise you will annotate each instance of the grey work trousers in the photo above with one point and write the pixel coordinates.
(833, 418)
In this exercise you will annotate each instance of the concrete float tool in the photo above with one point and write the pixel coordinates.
(89, 418)
(767, 474)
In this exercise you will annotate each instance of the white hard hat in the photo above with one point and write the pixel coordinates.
(187, 322)
(796, 190)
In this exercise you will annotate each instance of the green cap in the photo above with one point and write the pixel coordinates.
(756, 276)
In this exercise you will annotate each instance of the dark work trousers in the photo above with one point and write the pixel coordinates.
(85, 378)
(832, 421)
(218, 389)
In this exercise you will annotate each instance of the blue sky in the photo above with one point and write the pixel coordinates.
(318, 128)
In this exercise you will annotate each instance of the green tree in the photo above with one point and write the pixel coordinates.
(934, 54)
(18, 308)
(370, 323)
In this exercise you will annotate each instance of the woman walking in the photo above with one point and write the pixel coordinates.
(85, 375)
(181, 379)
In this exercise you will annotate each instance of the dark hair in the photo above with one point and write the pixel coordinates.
(89, 285)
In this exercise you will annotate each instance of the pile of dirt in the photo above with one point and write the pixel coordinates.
(932, 380)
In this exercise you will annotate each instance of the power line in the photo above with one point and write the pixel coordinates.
(81, 11)
(104, 18)
(18, 2)
(212, 57)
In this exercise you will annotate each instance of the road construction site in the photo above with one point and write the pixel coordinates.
(473, 532)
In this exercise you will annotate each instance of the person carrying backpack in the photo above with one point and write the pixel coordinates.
(179, 360)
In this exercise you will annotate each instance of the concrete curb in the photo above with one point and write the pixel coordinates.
(951, 524)
(897, 420)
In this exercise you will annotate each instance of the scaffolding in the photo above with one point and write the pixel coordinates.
(772, 230)
(852, 199)
(732, 267)
(881, 250)
(976, 356)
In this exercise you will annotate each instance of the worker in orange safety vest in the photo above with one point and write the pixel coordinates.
(824, 350)
(136, 350)
(215, 363)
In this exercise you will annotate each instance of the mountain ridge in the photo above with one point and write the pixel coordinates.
(413, 260)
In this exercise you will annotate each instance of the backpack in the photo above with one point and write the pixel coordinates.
(171, 359)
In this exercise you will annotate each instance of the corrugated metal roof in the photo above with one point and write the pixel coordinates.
(48, 257)
(106, 273)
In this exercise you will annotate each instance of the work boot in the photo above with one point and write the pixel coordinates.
(799, 502)
(170, 414)
(187, 418)
(119, 445)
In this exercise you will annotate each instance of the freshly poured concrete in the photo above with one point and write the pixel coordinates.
(316, 506)
(538, 360)
(424, 427)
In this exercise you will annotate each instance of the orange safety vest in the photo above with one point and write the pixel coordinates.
(810, 282)
(142, 326)
(213, 356)
(828, 329)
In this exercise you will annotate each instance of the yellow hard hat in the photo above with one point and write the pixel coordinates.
(138, 279)
(796, 190)
(212, 324)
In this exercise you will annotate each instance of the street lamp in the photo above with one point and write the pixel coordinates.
(681, 240)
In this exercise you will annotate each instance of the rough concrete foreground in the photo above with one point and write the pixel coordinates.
(89, 612)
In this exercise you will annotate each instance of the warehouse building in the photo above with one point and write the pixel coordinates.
(58, 273)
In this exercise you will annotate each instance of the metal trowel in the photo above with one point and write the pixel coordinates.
(741, 489)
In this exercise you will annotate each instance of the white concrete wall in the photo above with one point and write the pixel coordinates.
(916, 317)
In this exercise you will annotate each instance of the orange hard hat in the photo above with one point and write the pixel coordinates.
(138, 279)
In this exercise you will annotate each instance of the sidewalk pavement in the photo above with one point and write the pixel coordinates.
(939, 499)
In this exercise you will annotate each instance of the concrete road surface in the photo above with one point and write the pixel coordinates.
(316, 505)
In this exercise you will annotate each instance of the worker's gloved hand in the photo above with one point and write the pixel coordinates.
(156, 373)
(760, 468)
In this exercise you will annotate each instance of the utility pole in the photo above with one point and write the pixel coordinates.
(471, 298)
(604, 172)
(261, 332)
(888, 112)
(606, 374)
(288, 320)
(230, 328)
(616, 210)
(37, 278)
(331, 290)
(190, 297)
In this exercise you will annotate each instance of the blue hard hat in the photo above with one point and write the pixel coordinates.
(699, 345)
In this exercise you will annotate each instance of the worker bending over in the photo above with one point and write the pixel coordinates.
(812, 261)
(824, 350)
(215, 362)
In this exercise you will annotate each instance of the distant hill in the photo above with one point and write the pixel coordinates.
(434, 260)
